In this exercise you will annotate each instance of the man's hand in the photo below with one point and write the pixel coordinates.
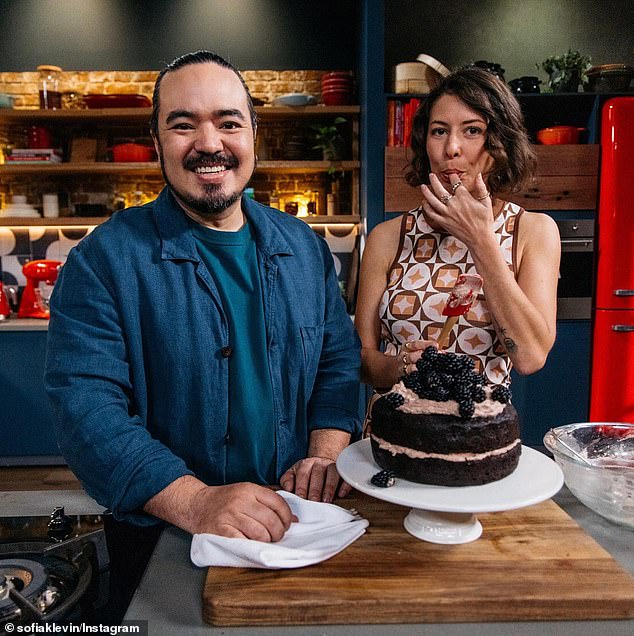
(243, 511)
(314, 478)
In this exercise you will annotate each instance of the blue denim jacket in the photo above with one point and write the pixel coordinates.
(136, 366)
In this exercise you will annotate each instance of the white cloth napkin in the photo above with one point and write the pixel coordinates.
(322, 531)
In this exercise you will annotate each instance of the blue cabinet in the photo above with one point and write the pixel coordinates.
(26, 419)
(559, 393)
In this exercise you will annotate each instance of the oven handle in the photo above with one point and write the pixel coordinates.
(624, 292)
(623, 328)
(569, 243)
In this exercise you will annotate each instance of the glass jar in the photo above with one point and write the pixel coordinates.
(50, 95)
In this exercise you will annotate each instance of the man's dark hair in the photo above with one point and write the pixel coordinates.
(197, 57)
(507, 142)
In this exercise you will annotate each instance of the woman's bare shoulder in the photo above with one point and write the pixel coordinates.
(537, 225)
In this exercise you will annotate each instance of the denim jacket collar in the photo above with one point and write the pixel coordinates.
(177, 241)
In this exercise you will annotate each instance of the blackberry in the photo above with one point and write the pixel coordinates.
(440, 394)
(424, 366)
(501, 393)
(413, 382)
(394, 399)
(383, 479)
(450, 363)
(478, 394)
(447, 380)
(466, 408)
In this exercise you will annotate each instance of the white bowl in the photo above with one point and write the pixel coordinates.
(294, 99)
(597, 459)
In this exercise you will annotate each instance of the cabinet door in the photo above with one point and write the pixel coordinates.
(26, 418)
(612, 393)
(558, 394)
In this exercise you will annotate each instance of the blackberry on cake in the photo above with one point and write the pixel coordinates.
(451, 429)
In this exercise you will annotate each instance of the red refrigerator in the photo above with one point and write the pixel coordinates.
(612, 379)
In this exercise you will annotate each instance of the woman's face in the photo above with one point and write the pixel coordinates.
(456, 138)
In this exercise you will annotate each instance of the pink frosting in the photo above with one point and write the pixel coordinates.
(415, 405)
(395, 449)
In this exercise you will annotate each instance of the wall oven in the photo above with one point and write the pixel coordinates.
(576, 271)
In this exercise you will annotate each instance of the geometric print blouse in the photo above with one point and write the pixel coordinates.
(421, 276)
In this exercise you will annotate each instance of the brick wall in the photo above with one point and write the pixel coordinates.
(265, 85)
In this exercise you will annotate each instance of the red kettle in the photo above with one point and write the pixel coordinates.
(40, 279)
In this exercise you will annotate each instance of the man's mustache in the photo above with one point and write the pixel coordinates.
(202, 159)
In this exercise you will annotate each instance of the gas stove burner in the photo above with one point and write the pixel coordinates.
(51, 572)
(40, 588)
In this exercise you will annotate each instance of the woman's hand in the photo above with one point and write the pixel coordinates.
(411, 352)
(465, 215)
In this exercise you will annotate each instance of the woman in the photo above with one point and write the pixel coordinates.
(470, 151)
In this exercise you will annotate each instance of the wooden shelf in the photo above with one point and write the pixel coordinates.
(566, 179)
(153, 167)
(143, 114)
(66, 221)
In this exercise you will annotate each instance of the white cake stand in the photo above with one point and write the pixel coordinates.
(443, 514)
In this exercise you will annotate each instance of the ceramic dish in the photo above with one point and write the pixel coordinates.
(117, 101)
(294, 99)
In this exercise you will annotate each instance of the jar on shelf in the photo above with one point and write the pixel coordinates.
(50, 94)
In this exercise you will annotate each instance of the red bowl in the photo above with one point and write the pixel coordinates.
(557, 135)
(132, 152)
(336, 98)
(116, 101)
(335, 84)
(337, 75)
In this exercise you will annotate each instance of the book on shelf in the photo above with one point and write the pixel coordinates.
(34, 155)
(400, 115)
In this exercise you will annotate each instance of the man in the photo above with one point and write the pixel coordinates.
(198, 346)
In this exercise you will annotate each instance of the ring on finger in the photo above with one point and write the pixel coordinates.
(445, 198)
(455, 186)
(482, 198)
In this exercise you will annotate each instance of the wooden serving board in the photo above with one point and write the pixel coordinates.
(535, 563)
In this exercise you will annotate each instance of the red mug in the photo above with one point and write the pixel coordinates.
(40, 137)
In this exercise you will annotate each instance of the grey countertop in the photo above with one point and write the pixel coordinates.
(23, 324)
(169, 595)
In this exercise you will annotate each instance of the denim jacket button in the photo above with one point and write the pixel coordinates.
(227, 438)
(225, 352)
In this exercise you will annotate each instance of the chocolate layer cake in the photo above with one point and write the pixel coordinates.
(446, 450)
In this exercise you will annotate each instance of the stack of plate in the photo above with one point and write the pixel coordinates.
(337, 88)
(19, 207)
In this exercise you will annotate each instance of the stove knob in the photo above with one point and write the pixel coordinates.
(60, 526)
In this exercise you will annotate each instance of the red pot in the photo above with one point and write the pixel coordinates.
(131, 152)
(559, 135)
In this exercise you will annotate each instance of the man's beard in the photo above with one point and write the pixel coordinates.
(213, 202)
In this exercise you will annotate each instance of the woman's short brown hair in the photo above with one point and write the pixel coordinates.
(507, 142)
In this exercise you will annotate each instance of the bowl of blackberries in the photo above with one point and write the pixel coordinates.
(597, 459)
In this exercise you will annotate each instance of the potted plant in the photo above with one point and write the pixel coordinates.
(566, 71)
(330, 141)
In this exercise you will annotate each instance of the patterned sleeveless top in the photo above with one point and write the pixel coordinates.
(423, 273)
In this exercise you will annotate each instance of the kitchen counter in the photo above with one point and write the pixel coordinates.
(23, 324)
(169, 595)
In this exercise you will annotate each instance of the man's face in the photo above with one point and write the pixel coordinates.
(205, 139)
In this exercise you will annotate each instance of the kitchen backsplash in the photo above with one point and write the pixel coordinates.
(23, 244)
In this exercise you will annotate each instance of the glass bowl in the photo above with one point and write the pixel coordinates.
(597, 460)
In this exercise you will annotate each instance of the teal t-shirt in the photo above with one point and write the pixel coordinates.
(232, 261)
